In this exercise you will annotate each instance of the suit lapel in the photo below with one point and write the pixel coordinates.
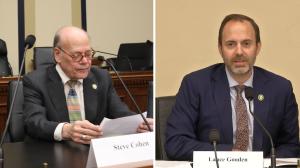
(90, 88)
(261, 108)
(223, 103)
(56, 93)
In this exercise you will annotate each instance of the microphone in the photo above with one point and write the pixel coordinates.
(101, 58)
(124, 56)
(102, 52)
(214, 138)
(249, 94)
(29, 42)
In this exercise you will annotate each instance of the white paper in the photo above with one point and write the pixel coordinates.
(172, 164)
(281, 162)
(228, 159)
(91, 162)
(135, 150)
(121, 126)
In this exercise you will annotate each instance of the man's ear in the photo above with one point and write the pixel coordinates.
(56, 54)
(220, 48)
(258, 48)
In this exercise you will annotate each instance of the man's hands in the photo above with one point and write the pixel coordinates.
(143, 127)
(81, 131)
(84, 131)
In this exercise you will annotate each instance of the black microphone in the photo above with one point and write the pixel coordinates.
(118, 57)
(214, 138)
(101, 58)
(29, 42)
(249, 94)
(102, 52)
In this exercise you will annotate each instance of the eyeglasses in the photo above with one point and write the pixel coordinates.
(78, 56)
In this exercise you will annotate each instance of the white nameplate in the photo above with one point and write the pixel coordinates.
(228, 159)
(135, 150)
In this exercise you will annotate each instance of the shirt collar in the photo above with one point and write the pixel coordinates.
(233, 83)
(63, 76)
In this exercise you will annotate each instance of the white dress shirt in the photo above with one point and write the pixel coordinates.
(233, 94)
(79, 91)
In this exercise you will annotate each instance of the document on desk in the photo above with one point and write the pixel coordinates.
(121, 126)
(172, 164)
(281, 162)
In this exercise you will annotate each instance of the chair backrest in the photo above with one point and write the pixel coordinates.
(3, 48)
(135, 57)
(43, 57)
(150, 100)
(5, 69)
(16, 129)
(163, 109)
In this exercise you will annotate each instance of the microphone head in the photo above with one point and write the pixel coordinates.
(214, 136)
(100, 58)
(249, 93)
(29, 41)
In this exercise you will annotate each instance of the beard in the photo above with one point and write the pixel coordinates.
(239, 65)
(239, 70)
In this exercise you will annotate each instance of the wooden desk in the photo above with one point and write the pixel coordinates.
(137, 83)
(33, 153)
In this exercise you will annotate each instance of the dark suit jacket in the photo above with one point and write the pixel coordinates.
(45, 102)
(203, 103)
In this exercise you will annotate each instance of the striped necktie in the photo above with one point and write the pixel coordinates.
(73, 102)
(242, 129)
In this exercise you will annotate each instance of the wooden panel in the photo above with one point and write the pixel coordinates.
(3, 99)
(137, 83)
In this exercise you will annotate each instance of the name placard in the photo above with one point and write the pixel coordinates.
(135, 150)
(230, 159)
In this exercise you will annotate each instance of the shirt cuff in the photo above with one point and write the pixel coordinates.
(58, 132)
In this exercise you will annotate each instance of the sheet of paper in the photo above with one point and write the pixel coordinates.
(281, 162)
(172, 164)
(121, 126)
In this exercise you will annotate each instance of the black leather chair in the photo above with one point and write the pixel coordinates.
(163, 109)
(43, 57)
(5, 68)
(135, 57)
(150, 100)
(16, 131)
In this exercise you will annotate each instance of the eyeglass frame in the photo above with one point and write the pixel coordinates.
(81, 55)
